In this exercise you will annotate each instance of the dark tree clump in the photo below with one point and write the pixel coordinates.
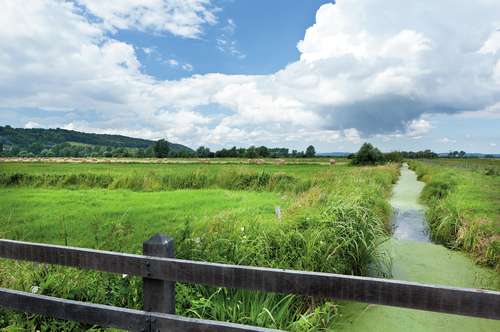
(310, 151)
(368, 155)
(161, 149)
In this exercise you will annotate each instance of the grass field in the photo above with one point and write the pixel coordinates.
(463, 196)
(485, 166)
(155, 177)
(333, 217)
(126, 169)
(63, 216)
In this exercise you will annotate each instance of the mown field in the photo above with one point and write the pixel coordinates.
(463, 196)
(188, 161)
(332, 219)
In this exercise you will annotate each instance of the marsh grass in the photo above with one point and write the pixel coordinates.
(464, 206)
(333, 221)
(232, 180)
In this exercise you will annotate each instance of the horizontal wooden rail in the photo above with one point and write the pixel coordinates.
(461, 301)
(108, 316)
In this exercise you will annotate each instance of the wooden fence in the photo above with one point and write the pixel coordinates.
(160, 271)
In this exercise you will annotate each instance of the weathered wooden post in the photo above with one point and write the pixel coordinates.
(159, 295)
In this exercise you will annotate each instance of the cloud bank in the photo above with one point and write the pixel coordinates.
(366, 68)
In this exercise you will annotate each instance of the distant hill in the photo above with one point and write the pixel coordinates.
(49, 137)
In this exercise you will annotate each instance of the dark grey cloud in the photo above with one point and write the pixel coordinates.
(385, 114)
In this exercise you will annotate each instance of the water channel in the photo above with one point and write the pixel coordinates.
(415, 258)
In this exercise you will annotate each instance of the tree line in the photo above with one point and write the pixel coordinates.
(159, 149)
(370, 155)
(255, 152)
(367, 154)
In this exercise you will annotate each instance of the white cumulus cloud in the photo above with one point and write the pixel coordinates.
(366, 67)
(183, 18)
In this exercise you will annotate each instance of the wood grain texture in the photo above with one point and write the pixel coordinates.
(461, 301)
(159, 295)
(108, 316)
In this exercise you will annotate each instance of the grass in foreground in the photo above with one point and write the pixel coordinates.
(332, 223)
(464, 205)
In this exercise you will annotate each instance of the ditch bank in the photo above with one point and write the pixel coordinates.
(415, 258)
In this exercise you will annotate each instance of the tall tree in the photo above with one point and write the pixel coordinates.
(310, 151)
(161, 149)
(368, 155)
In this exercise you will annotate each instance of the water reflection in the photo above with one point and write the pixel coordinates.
(408, 220)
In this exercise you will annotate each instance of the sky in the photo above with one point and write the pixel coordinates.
(403, 75)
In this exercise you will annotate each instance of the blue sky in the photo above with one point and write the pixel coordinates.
(265, 36)
(280, 73)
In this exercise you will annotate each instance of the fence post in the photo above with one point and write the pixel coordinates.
(159, 295)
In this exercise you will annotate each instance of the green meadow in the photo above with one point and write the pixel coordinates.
(332, 219)
(67, 216)
(176, 167)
